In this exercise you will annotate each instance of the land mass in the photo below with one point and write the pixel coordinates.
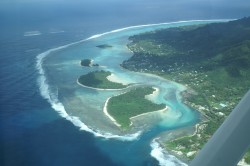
(131, 104)
(121, 108)
(99, 80)
(212, 60)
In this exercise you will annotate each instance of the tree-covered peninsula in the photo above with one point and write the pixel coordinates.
(212, 60)
(98, 79)
(130, 104)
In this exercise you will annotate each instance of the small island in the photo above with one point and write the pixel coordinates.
(99, 80)
(133, 103)
(104, 46)
(88, 63)
(85, 62)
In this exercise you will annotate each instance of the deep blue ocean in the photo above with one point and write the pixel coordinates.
(31, 132)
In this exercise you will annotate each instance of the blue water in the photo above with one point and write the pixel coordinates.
(31, 132)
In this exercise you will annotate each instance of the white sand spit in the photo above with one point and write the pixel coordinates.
(105, 110)
(114, 78)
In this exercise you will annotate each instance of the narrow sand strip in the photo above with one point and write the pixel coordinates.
(105, 110)
(162, 110)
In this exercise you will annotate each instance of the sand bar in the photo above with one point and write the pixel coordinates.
(114, 78)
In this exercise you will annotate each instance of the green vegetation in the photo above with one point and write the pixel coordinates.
(86, 62)
(131, 104)
(98, 79)
(247, 157)
(104, 46)
(213, 61)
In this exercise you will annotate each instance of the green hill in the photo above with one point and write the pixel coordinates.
(200, 48)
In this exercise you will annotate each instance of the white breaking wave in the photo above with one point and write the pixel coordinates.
(148, 25)
(56, 31)
(163, 158)
(32, 33)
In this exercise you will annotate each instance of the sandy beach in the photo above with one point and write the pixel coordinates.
(153, 95)
(105, 110)
(162, 110)
(113, 78)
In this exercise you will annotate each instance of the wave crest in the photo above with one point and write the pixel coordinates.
(163, 158)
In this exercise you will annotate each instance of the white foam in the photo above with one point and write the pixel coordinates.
(32, 33)
(148, 25)
(163, 158)
(56, 31)
(58, 106)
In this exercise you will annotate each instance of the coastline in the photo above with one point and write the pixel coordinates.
(162, 110)
(92, 37)
(90, 64)
(105, 110)
(113, 78)
(182, 87)
(101, 88)
(181, 158)
(154, 94)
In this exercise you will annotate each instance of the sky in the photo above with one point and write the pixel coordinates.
(123, 12)
(110, 6)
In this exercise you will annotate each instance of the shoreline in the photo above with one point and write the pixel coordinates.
(90, 64)
(162, 110)
(181, 158)
(89, 87)
(105, 110)
(113, 78)
(154, 94)
(134, 117)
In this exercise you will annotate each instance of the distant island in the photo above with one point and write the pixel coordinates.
(104, 46)
(212, 60)
(130, 104)
(99, 80)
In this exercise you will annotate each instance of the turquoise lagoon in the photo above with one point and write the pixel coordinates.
(60, 68)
